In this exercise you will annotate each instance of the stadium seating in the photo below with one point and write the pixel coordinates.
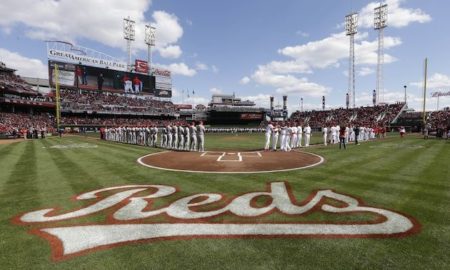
(112, 103)
(365, 116)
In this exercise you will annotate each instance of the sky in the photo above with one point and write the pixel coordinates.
(254, 48)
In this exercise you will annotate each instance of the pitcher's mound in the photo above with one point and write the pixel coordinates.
(231, 162)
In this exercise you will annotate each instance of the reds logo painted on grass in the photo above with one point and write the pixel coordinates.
(130, 212)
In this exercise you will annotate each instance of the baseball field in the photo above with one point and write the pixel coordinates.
(380, 205)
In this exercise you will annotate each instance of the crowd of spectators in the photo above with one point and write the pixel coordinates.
(110, 102)
(380, 115)
(439, 119)
(114, 122)
(13, 83)
(15, 124)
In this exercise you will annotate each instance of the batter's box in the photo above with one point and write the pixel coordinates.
(251, 154)
(212, 154)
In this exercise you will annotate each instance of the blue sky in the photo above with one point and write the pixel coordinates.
(252, 48)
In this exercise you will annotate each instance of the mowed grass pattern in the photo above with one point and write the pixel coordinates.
(409, 176)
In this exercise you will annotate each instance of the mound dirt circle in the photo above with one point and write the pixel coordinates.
(231, 161)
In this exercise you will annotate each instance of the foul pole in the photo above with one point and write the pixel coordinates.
(58, 104)
(425, 91)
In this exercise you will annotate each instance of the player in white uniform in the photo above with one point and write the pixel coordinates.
(275, 134)
(299, 135)
(269, 131)
(307, 135)
(283, 133)
(288, 137)
(201, 137)
(325, 134)
(294, 138)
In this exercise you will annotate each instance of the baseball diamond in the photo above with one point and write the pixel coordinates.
(231, 162)
(233, 135)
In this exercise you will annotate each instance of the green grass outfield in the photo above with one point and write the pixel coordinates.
(410, 176)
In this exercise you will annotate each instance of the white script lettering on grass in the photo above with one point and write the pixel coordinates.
(133, 205)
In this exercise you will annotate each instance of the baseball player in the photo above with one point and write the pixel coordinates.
(201, 137)
(169, 136)
(187, 136)
(275, 134)
(294, 139)
(299, 135)
(325, 133)
(307, 135)
(269, 131)
(283, 131)
(175, 136)
(193, 131)
(181, 137)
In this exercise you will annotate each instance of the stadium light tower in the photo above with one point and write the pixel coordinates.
(150, 40)
(351, 25)
(379, 23)
(128, 35)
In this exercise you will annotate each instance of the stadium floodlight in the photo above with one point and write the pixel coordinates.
(128, 35)
(404, 86)
(379, 23)
(351, 28)
(150, 40)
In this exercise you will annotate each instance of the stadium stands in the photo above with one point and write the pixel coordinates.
(367, 116)
(112, 103)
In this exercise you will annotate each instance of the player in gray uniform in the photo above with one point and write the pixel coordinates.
(181, 137)
(163, 137)
(169, 136)
(201, 137)
(155, 135)
(175, 136)
(193, 131)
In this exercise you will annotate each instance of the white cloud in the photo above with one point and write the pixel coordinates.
(261, 100)
(100, 21)
(214, 69)
(330, 50)
(171, 51)
(197, 100)
(301, 33)
(179, 69)
(215, 91)
(364, 71)
(244, 80)
(201, 66)
(398, 16)
(437, 80)
(288, 84)
(28, 67)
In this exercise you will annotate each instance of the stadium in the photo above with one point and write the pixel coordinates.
(102, 168)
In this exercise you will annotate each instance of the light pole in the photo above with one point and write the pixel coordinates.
(128, 35)
(351, 25)
(404, 86)
(150, 40)
(379, 23)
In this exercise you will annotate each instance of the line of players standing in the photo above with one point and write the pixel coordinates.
(173, 136)
(289, 135)
(286, 135)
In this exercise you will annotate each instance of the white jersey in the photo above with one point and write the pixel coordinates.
(269, 129)
(308, 130)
